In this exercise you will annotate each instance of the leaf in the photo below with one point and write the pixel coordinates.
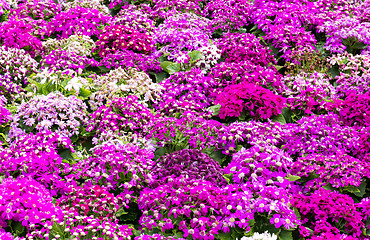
(218, 156)
(228, 177)
(293, 178)
(278, 67)
(279, 118)
(104, 69)
(85, 93)
(159, 77)
(351, 189)
(285, 235)
(334, 71)
(66, 154)
(165, 64)
(195, 55)
(242, 116)
(215, 109)
(359, 45)
(362, 189)
(18, 228)
(174, 67)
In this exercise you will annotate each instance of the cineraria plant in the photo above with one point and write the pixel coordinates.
(37, 9)
(18, 34)
(228, 15)
(71, 225)
(338, 170)
(186, 92)
(164, 9)
(246, 134)
(190, 207)
(308, 93)
(231, 73)
(287, 38)
(246, 100)
(355, 110)
(326, 211)
(17, 63)
(94, 4)
(126, 58)
(78, 20)
(119, 37)
(36, 156)
(90, 200)
(322, 134)
(24, 202)
(190, 131)
(120, 117)
(60, 59)
(8, 88)
(264, 169)
(81, 45)
(63, 115)
(239, 47)
(187, 162)
(121, 83)
(122, 168)
(136, 17)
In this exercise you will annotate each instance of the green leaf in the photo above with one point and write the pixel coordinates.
(66, 154)
(285, 235)
(165, 64)
(242, 116)
(174, 67)
(362, 189)
(351, 189)
(359, 45)
(328, 187)
(195, 55)
(18, 228)
(293, 178)
(104, 69)
(215, 109)
(85, 93)
(279, 118)
(278, 67)
(159, 77)
(228, 177)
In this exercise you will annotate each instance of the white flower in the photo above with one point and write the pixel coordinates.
(261, 236)
(74, 83)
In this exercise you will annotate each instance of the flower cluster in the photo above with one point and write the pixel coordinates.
(119, 37)
(80, 45)
(17, 63)
(121, 83)
(117, 166)
(122, 116)
(249, 99)
(61, 59)
(239, 47)
(26, 201)
(308, 93)
(36, 156)
(18, 34)
(79, 20)
(186, 92)
(338, 170)
(63, 115)
(191, 163)
(189, 206)
(325, 212)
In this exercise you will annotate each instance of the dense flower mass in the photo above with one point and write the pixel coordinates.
(252, 100)
(186, 119)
